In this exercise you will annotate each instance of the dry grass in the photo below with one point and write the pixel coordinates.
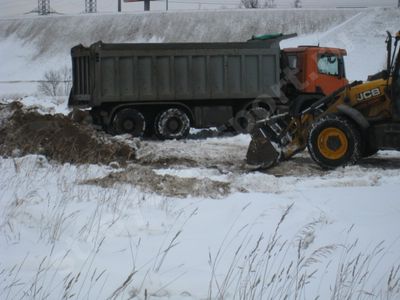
(270, 269)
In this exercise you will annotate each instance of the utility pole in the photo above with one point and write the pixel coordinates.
(119, 6)
(90, 6)
(146, 5)
(43, 7)
(398, 4)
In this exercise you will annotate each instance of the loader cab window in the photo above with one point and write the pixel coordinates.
(329, 64)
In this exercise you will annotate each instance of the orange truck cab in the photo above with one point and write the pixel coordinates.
(313, 71)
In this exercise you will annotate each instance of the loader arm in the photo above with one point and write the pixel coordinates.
(279, 138)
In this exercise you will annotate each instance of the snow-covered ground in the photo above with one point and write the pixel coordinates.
(189, 220)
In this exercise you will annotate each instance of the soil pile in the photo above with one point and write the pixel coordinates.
(167, 185)
(57, 137)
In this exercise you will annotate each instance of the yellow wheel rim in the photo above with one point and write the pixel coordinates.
(332, 143)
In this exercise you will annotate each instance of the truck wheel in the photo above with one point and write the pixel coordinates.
(245, 122)
(254, 115)
(171, 124)
(130, 121)
(334, 141)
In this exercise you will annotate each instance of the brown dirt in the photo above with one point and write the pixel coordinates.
(167, 185)
(57, 137)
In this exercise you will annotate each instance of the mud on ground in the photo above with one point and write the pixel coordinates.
(168, 185)
(24, 131)
(205, 165)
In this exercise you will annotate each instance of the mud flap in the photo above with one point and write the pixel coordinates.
(261, 152)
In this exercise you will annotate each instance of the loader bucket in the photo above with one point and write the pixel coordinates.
(261, 152)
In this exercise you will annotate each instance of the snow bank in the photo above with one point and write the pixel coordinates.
(56, 34)
(31, 46)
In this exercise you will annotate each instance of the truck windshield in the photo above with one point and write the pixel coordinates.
(328, 64)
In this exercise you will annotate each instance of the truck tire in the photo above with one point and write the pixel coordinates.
(246, 121)
(130, 121)
(172, 123)
(334, 141)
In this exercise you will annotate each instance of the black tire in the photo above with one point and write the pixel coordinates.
(246, 121)
(130, 121)
(172, 123)
(334, 141)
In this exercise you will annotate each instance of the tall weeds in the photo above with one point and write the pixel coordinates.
(273, 268)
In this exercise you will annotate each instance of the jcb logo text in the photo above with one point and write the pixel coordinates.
(368, 94)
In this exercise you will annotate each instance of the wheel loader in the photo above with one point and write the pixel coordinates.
(353, 122)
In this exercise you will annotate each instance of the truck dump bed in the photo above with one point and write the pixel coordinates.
(120, 73)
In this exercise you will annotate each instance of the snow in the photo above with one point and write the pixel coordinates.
(365, 48)
(28, 48)
(57, 218)
(30, 45)
(82, 231)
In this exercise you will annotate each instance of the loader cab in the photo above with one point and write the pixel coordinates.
(316, 70)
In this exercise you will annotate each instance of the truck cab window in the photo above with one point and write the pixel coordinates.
(328, 64)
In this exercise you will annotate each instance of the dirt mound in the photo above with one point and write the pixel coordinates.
(172, 186)
(25, 131)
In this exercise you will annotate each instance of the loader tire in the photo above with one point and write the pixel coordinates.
(130, 121)
(334, 141)
(172, 123)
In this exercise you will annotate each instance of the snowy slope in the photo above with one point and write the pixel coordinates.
(31, 46)
(363, 36)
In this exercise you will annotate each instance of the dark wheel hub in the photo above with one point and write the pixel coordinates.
(129, 125)
(129, 120)
(174, 125)
(334, 143)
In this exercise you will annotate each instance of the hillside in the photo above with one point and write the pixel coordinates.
(33, 45)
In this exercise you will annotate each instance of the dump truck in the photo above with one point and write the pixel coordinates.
(353, 122)
(167, 88)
